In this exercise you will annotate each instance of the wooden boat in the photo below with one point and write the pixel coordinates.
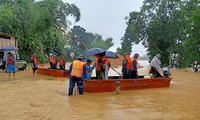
(53, 72)
(94, 86)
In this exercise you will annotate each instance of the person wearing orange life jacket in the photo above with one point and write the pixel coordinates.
(134, 71)
(77, 74)
(10, 65)
(51, 60)
(107, 67)
(62, 62)
(54, 62)
(126, 66)
(34, 64)
(100, 67)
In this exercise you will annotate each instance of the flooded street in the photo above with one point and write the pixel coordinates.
(45, 98)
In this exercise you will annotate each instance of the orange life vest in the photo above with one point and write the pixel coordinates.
(54, 60)
(99, 62)
(51, 59)
(34, 60)
(129, 64)
(10, 61)
(62, 60)
(77, 69)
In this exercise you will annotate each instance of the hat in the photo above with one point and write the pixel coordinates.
(126, 54)
(89, 61)
(158, 56)
(61, 56)
(50, 54)
(136, 55)
(34, 54)
(80, 56)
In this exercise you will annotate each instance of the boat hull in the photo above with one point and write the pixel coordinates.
(94, 86)
(53, 72)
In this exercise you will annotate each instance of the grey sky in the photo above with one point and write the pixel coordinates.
(106, 17)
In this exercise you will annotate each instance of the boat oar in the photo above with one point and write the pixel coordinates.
(116, 71)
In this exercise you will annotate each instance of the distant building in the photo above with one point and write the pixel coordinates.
(7, 40)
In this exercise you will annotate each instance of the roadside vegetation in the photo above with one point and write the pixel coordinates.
(45, 23)
(168, 27)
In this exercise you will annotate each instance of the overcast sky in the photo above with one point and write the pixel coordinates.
(106, 17)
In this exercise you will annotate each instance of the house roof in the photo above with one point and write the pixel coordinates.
(6, 36)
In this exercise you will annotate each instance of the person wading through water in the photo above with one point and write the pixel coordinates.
(11, 67)
(62, 62)
(34, 64)
(77, 74)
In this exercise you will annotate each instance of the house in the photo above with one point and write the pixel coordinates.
(7, 40)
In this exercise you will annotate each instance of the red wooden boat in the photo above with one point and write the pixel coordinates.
(94, 86)
(53, 72)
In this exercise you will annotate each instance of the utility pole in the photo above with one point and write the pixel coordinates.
(71, 37)
(40, 49)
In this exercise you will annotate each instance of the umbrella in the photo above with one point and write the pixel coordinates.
(110, 54)
(93, 51)
(9, 48)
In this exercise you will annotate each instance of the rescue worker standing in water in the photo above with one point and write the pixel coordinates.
(77, 74)
(126, 66)
(54, 62)
(51, 60)
(34, 64)
(134, 72)
(62, 62)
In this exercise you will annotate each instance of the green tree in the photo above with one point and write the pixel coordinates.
(160, 26)
(35, 21)
(87, 39)
(192, 45)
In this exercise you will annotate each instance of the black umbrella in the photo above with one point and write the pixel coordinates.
(9, 48)
(93, 51)
(110, 54)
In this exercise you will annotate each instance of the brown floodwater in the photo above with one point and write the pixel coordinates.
(45, 98)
